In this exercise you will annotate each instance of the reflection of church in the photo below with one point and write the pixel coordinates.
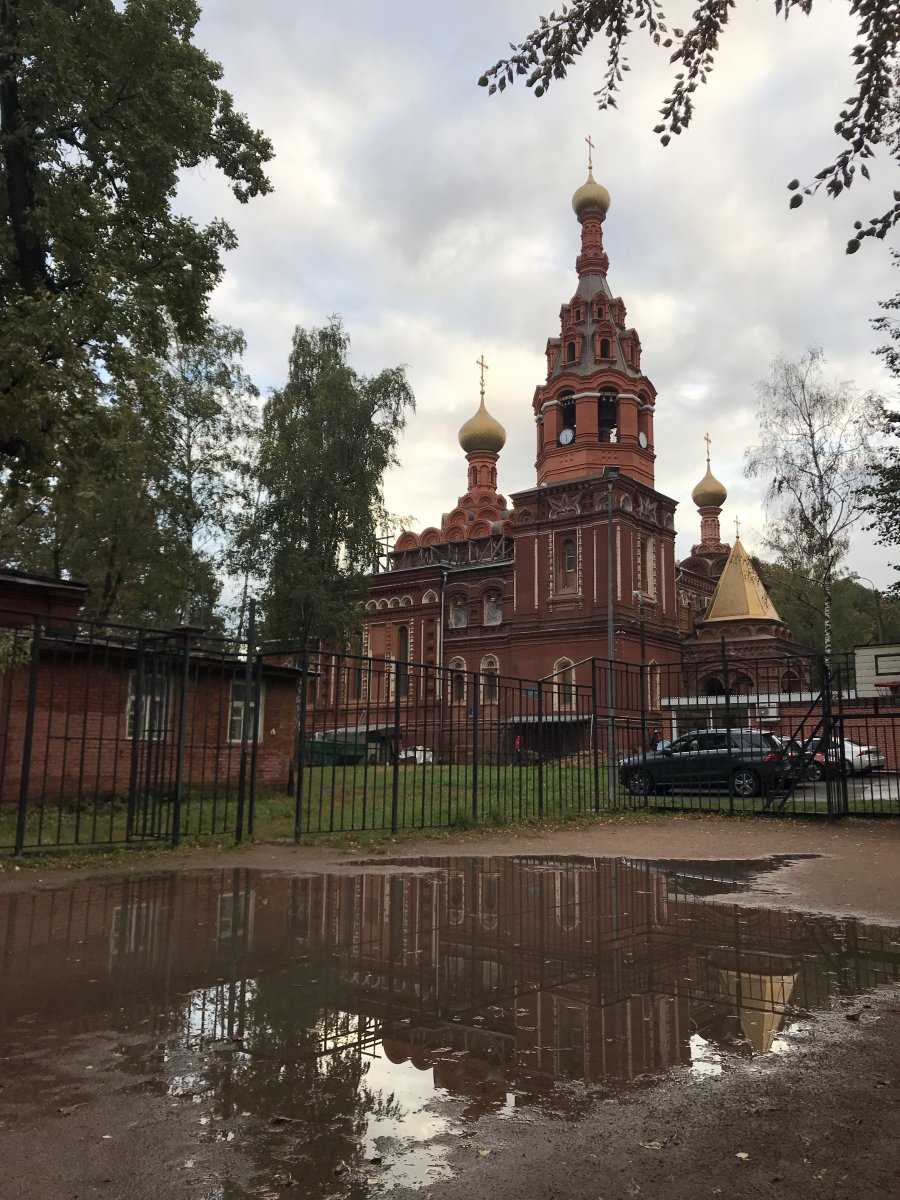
(524, 587)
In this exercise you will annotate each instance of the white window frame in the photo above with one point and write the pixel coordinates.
(155, 696)
(234, 704)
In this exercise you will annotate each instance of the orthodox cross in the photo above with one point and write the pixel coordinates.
(737, 528)
(590, 146)
(708, 441)
(479, 362)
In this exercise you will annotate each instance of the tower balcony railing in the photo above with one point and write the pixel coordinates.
(497, 548)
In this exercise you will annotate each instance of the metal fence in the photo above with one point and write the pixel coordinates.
(114, 734)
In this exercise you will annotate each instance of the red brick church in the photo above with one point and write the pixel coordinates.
(532, 586)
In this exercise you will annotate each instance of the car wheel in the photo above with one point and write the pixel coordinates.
(816, 772)
(745, 782)
(639, 783)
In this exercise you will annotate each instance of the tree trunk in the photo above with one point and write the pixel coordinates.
(18, 166)
(827, 614)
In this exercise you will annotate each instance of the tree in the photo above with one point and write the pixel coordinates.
(102, 106)
(140, 501)
(327, 438)
(813, 453)
(883, 493)
(860, 614)
(207, 420)
(870, 118)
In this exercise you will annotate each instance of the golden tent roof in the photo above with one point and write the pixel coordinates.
(740, 591)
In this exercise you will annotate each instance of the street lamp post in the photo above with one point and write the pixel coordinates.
(611, 474)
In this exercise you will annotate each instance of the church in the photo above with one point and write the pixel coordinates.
(582, 564)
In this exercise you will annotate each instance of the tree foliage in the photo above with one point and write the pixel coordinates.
(883, 493)
(139, 499)
(327, 438)
(869, 119)
(102, 106)
(813, 454)
(860, 614)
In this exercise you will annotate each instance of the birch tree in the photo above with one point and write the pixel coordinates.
(813, 456)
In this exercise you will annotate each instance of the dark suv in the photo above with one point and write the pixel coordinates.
(746, 762)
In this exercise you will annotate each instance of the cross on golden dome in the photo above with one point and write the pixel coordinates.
(590, 146)
(708, 441)
(479, 362)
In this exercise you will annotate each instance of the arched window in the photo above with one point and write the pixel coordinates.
(567, 565)
(564, 676)
(493, 609)
(570, 352)
(490, 683)
(430, 597)
(742, 684)
(458, 615)
(607, 415)
(790, 682)
(567, 414)
(604, 348)
(402, 666)
(457, 668)
(712, 686)
(599, 310)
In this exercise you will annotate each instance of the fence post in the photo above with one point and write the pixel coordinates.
(476, 717)
(595, 749)
(28, 740)
(827, 724)
(182, 733)
(395, 780)
(137, 707)
(301, 736)
(723, 656)
(245, 711)
(540, 748)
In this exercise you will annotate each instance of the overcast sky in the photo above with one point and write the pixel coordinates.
(438, 223)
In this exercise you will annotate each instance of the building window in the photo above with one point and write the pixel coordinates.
(237, 709)
(154, 709)
(567, 411)
(712, 686)
(430, 597)
(490, 682)
(459, 613)
(790, 682)
(570, 352)
(607, 416)
(493, 609)
(457, 681)
(742, 684)
(402, 665)
(604, 348)
(564, 674)
(566, 565)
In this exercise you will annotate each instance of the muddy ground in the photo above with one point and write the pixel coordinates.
(821, 1122)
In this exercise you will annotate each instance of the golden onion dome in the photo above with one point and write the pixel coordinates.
(482, 432)
(709, 493)
(591, 194)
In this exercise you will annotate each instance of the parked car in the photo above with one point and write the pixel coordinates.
(840, 755)
(747, 762)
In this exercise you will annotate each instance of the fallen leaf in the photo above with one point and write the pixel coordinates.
(68, 1109)
(651, 1145)
(742, 1155)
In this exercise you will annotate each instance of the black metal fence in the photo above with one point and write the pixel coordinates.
(114, 734)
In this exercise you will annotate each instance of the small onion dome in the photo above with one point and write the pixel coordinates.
(709, 493)
(591, 194)
(482, 432)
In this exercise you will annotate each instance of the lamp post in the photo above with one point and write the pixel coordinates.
(879, 627)
(610, 474)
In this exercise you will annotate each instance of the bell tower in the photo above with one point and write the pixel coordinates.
(595, 409)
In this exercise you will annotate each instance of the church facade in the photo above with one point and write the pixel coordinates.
(584, 562)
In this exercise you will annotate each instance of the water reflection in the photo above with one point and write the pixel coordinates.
(319, 1021)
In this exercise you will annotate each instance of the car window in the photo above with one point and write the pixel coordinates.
(686, 745)
(714, 741)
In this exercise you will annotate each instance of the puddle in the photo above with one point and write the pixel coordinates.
(336, 1034)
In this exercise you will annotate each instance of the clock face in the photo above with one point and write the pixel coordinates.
(566, 437)
(642, 440)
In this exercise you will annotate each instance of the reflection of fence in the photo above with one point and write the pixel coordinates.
(115, 734)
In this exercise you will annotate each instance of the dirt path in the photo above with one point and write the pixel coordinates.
(856, 871)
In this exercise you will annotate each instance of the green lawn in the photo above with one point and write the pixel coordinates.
(360, 798)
